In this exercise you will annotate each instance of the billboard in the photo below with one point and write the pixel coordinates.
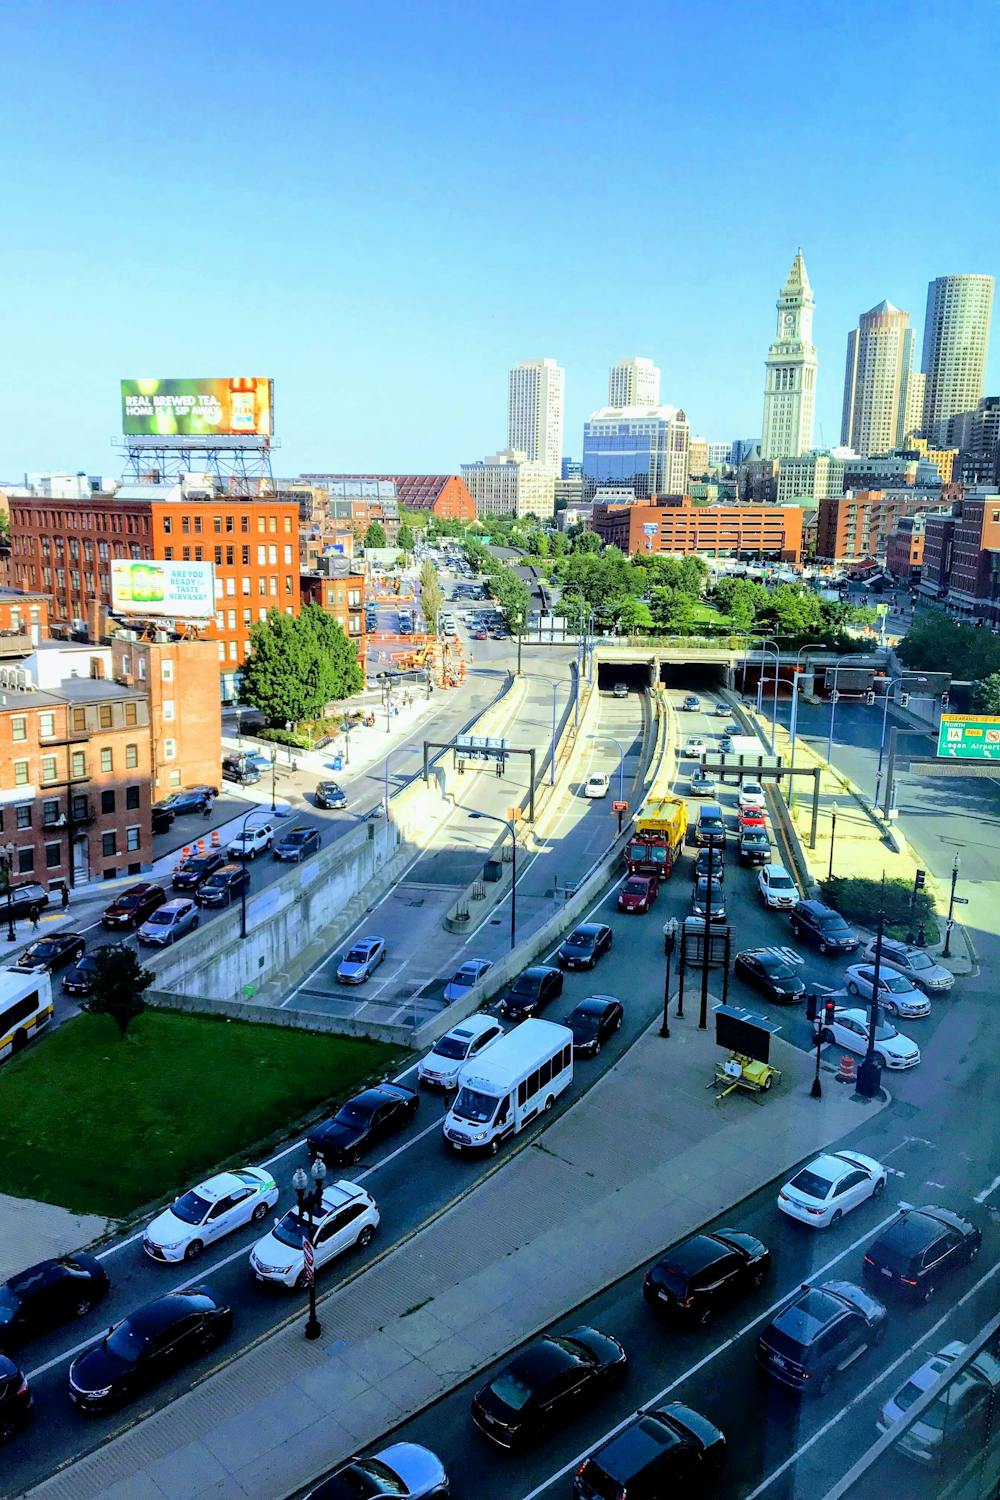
(176, 590)
(238, 406)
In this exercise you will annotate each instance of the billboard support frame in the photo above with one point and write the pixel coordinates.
(238, 468)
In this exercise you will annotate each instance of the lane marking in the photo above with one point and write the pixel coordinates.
(988, 1192)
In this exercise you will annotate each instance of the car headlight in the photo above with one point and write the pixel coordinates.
(104, 1391)
(478, 1135)
(159, 1245)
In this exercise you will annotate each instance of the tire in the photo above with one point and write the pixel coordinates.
(879, 1188)
(494, 1146)
(195, 921)
(597, 1049)
(879, 1334)
(757, 1279)
(259, 1214)
(880, 1059)
(703, 1317)
(193, 1250)
(20, 1041)
(548, 1104)
(300, 1281)
(836, 1217)
(891, 1007)
(825, 1384)
(823, 948)
(767, 1083)
(365, 1238)
(852, 988)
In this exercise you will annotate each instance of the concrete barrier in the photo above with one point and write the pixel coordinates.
(299, 1020)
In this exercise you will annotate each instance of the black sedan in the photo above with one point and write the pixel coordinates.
(294, 845)
(702, 1273)
(79, 980)
(362, 1122)
(224, 886)
(709, 897)
(547, 1384)
(330, 795)
(674, 1451)
(584, 946)
(190, 873)
(15, 1400)
(146, 1347)
(530, 991)
(47, 1295)
(592, 1022)
(772, 973)
(51, 953)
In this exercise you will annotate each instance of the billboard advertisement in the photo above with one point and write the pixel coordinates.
(239, 406)
(175, 590)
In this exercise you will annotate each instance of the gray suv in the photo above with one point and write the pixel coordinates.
(916, 963)
(818, 1333)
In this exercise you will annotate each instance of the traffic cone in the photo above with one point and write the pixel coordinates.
(201, 846)
(845, 1073)
(215, 838)
(186, 852)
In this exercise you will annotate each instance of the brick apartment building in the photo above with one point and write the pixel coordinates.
(177, 678)
(23, 614)
(857, 524)
(904, 548)
(962, 556)
(64, 549)
(341, 593)
(675, 525)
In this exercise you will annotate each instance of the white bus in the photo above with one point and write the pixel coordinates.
(522, 1074)
(25, 1008)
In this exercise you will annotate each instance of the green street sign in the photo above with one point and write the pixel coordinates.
(964, 738)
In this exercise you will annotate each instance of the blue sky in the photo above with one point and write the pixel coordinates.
(385, 205)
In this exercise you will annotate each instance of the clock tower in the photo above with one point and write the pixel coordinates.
(790, 379)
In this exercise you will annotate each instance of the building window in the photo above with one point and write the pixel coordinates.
(274, 586)
(288, 553)
(288, 525)
(186, 525)
(245, 587)
(131, 713)
(168, 524)
(131, 797)
(109, 842)
(261, 556)
(230, 525)
(78, 763)
(22, 818)
(168, 710)
(288, 583)
(46, 726)
(217, 525)
(25, 860)
(222, 650)
(106, 716)
(262, 587)
(132, 837)
(244, 524)
(175, 778)
(20, 773)
(232, 651)
(232, 619)
(19, 727)
(167, 670)
(246, 555)
(197, 525)
(260, 525)
(198, 554)
(50, 812)
(53, 856)
(218, 557)
(107, 802)
(168, 554)
(49, 771)
(272, 524)
(272, 555)
(186, 554)
(107, 760)
(169, 749)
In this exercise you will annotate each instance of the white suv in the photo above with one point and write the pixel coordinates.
(469, 1039)
(776, 886)
(251, 842)
(347, 1216)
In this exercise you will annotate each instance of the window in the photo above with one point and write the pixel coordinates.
(230, 525)
(186, 525)
(49, 771)
(170, 746)
(131, 713)
(261, 556)
(106, 716)
(132, 836)
(197, 525)
(288, 553)
(274, 586)
(244, 524)
(245, 551)
(46, 726)
(109, 842)
(50, 812)
(23, 815)
(288, 583)
(19, 727)
(272, 524)
(217, 525)
(232, 651)
(288, 525)
(246, 618)
(260, 525)
(168, 524)
(131, 797)
(168, 710)
(107, 760)
(199, 554)
(245, 587)
(107, 802)
(230, 556)
(186, 554)
(167, 670)
(168, 554)
(53, 856)
(25, 860)
(20, 773)
(262, 587)
(222, 649)
(272, 555)
(218, 557)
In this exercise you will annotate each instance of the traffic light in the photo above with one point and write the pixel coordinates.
(829, 1012)
(904, 699)
(812, 1006)
(870, 697)
(919, 880)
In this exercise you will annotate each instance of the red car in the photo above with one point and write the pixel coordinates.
(638, 893)
(752, 817)
(480, 635)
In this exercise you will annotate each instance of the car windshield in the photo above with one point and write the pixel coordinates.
(776, 968)
(290, 1230)
(811, 1184)
(781, 883)
(933, 1416)
(192, 1208)
(896, 983)
(356, 956)
(919, 961)
(370, 1478)
(581, 939)
(524, 985)
(833, 923)
(584, 1020)
(451, 1047)
(354, 1113)
(161, 918)
(635, 888)
(463, 976)
(474, 1106)
(127, 1341)
(43, 950)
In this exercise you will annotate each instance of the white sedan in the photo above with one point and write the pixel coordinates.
(442, 1065)
(225, 1202)
(957, 1417)
(752, 795)
(892, 1049)
(777, 888)
(695, 747)
(897, 995)
(821, 1193)
(597, 785)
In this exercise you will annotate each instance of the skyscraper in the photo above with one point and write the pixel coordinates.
(956, 342)
(634, 382)
(535, 411)
(641, 449)
(790, 379)
(879, 361)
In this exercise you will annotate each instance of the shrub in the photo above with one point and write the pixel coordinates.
(858, 899)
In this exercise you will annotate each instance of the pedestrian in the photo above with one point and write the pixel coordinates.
(35, 914)
(64, 895)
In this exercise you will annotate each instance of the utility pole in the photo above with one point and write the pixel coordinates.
(869, 1072)
(703, 1013)
(946, 950)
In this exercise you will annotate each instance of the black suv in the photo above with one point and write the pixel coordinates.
(918, 1248)
(530, 991)
(673, 1451)
(824, 927)
(223, 886)
(23, 898)
(755, 846)
(818, 1333)
(710, 827)
(697, 1275)
(190, 873)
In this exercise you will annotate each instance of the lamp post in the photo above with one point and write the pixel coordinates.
(243, 887)
(300, 1182)
(597, 738)
(946, 950)
(518, 622)
(793, 722)
(833, 703)
(552, 756)
(387, 703)
(869, 1072)
(345, 728)
(8, 852)
(274, 778)
(508, 824)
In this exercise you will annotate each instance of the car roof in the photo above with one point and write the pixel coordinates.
(135, 890)
(541, 1361)
(219, 1186)
(810, 1311)
(918, 1227)
(180, 903)
(830, 1167)
(472, 1026)
(776, 870)
(296, 833)
(161, 1314)
(589, 927)
(694, 1254)
(636, 1446)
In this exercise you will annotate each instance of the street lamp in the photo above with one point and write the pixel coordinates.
(8, 851)
(300, 1182)
(946, 950)
(508, 824)
(387, 703)
(274, 778)
(254, 811)
(793, 722)
(552, 756)
(833, 702)
(869, 1072)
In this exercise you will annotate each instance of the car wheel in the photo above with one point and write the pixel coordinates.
(597, 1049)
(20, 1041)
(757, 1278)
(703, 1316)
(193, 1250)
(260, 1213)
(973, 1252)
(494, 1146)
(836, 1217)
(618, 1023)
(891, 1007)
(301, 1281)
(195, 920)
(767, 1083)
(549, 1103)
(852, 988)
(365, 1238)
(927, 1293)
(82, 1308)
(880, 1059)
(879, 1188)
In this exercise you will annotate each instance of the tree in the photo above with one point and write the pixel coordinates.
(297, 666)
(794, 611)
(936, 643)
(119, 980)
(672, 610)
(630, 615)
(431, 594)
(587, 541)
(337, 671)
(375, 535)
(988, 694)
(406, 540)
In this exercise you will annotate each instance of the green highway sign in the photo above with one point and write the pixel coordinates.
(964, 738)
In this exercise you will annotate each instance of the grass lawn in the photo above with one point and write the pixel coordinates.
(103, 1126)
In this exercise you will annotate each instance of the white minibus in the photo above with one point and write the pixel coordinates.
(521, 1075)
(25, 1008)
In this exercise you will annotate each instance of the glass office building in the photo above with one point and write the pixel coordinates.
(641, 448)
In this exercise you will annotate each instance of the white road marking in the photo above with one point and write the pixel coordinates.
(988, 1192)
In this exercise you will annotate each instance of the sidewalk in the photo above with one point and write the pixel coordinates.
(631, 1167)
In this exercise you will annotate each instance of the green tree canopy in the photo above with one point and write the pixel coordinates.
(431, 594)
(936, 643)
(406, 540)
(375, 535)
(119, 980)
(988, 694)
(297, 666)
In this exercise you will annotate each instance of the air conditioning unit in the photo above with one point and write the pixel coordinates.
(125, 679)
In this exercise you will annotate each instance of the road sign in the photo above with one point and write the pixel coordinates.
(963, 738)
(619, 807)
(307, 1251)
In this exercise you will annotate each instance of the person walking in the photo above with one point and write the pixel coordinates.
(64, 895)
(35, 914)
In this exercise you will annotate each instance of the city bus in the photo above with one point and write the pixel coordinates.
(25, 1009)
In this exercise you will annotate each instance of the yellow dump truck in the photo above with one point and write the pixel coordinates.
(658, 836)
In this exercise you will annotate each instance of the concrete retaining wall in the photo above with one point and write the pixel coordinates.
(300, 1020)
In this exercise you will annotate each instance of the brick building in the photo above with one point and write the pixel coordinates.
(675, 525)
(341, 593)
(904, 548)
(23, 614)
(857, 524)
(935, 570)
(178, 680)
(961, 565)
(443, 495)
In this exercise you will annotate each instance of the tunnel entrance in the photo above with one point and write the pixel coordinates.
(636, 675)
(706, 675)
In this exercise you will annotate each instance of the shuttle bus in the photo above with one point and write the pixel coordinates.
(25, 1009)
(521, 1075)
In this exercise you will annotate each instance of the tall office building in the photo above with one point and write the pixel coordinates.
(634, 382)
(956, 342)
(790, 379)
(637, 450)
(879, 360)
(535, 411)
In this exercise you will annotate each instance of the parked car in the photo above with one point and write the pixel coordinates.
(192, 799)
(721, 711)
(134, 905)
(189, 874)
(79, 980)
(361, 960)
(147, 1346)
(702, 784)
(223, 886)
(295, 845)
(363, 1121)
(638, 893)
(592, 1022)
(703, 1273)
(772, 973)
(251, 841)
(170, 921)
(892, 1050)
(161, 817)
(597, 784)
(915, 964)
(347, 1218)
(671, 1451)
(404, 1471)
(47, 954)
(691, 703)
(818, 1333)
(207, 1213)
(958, 1418)
(919, 1249)
(708, 897)
(821, 1193)
(237, 768)
(46, 1295)
(330, 795)
(547, 1384)
(752, 795)
(754, 845)
(462, 981)
(584, 946)
(824, 927)
(777, 888)
(259, 760)
(708, 861)
(530, 992)
(469, 1039)
(897, 995)
(15, 1400)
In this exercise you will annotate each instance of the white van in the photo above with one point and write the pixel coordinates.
(25, 1009)
(522, 1074)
